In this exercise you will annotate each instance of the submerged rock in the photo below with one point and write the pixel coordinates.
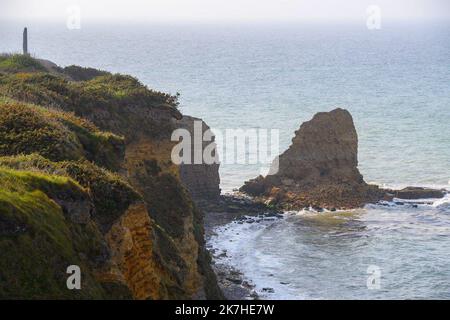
(319, 169)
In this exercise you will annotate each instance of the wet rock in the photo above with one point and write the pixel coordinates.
(411, 193)
(234, 280)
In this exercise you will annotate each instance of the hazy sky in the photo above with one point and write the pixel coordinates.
(220, 10)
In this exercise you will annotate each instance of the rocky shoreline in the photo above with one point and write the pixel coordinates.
(319, 171)
(229, 208)
(97, 146)
(242, 209)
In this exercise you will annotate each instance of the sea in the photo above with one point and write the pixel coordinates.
(395, 81)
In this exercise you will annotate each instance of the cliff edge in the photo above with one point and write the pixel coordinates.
(87, 180)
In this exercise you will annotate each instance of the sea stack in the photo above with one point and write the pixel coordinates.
(25, 41)
(319, 169)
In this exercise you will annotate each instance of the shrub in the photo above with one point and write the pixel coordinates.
(57, 135)
(111, 195)
(19, 62)
(116, 103)
(26, 130)
(78, 73)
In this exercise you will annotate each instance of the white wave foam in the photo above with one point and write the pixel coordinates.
(238, 239)
(442, 203)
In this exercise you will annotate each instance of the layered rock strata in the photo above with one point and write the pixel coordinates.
(201, 179)
(319, 169)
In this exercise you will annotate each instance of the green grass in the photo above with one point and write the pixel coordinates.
(124, 103)
(38, 243)
(78, 73)
(19, 62)
(110, 194)
(51, 147)
(31, 181)
(27, 130)
(57, 135)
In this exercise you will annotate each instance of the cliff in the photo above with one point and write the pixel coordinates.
(201, 179)
(91, 153)
(319, 169)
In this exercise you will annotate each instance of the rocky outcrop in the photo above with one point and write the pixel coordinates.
(108, 139)
(179, 262)
(411, 193)
(319, 169)
(201, 179)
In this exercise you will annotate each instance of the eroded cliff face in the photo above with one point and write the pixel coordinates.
(151, 171)
(177, 264)
(143, 217)
(131, 243)
(319, 169)
(201, 179)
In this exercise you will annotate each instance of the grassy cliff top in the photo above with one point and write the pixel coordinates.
(23, 70)
(55, 134)
(110, 194)
(65, 184)
(19, 63)
(114, 102)
(38, 242)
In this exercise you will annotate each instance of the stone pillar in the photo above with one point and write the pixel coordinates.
(25, 41)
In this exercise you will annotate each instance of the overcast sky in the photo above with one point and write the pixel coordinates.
(222, 10)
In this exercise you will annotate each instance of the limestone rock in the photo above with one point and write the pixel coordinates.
(320, 167)
(131, 246)
(201, 180)
(410, 193)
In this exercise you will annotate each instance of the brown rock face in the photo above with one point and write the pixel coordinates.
(320, 167)
(323, 149)
(137, 227)
(418, 193)
(202, 180)
(130, 240)
(178, 265)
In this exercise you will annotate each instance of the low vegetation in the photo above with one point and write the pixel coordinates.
(110, 194)
(19, 63)
(64, 181)
(56, 135)
(37, 242)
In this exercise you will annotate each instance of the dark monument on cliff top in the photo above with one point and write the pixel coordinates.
(25, 41)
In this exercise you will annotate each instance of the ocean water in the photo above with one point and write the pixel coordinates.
(402, 251)
(395, 82)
